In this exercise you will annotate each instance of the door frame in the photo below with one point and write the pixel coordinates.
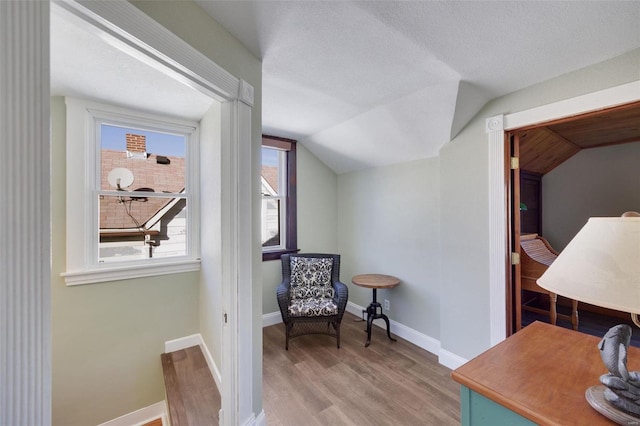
(499, 233)
(131, 30)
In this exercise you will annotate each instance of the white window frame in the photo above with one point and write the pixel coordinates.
(83, 187)
(282, 197)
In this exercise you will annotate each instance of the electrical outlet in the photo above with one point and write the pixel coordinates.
(387, 305)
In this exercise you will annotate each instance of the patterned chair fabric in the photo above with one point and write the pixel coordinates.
(311, 292)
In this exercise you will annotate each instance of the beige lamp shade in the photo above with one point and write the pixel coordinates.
(600, 266)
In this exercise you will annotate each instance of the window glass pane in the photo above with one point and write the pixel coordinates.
(270, 171)
(134, 159)
(270, 222)
(133, 228)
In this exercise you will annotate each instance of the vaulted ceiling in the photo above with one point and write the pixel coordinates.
(369, 83)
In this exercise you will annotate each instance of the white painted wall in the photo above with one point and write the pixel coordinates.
(210, 291)
(594, 182)
(317, 219)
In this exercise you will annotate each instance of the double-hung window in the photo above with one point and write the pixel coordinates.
(278, 189)
(132, 194)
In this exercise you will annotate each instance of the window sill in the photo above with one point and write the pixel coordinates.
(116, 273)
(275, 255)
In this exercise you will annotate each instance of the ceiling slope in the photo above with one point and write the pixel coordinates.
(365, 83)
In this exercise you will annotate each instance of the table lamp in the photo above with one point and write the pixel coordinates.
(601, 266)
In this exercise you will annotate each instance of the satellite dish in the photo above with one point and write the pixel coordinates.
(120, 178)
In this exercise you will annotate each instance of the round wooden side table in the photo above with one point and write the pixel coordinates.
(375, 281)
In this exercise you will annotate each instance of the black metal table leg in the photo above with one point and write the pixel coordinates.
(372, 314)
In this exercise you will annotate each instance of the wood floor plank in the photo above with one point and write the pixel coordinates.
(388, 383)
(192, 393)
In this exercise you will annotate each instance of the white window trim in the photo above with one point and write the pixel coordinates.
(83, 183)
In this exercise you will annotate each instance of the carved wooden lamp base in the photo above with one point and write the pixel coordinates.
(595, 398)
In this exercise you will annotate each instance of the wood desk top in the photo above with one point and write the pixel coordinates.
(375, 281)
(542, 373)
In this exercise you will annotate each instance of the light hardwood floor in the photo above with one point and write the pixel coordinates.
(388, 383)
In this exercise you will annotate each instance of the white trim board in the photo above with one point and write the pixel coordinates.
(419, 339)
(271, 319)
(495, 129)
(141, 416)
(446, 358)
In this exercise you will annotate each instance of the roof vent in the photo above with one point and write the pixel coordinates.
(161, 159)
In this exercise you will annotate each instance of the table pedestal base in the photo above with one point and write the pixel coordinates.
(372, 314)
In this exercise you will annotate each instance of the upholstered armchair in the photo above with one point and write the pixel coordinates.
(311, 297)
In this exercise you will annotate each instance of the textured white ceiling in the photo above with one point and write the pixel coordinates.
(370, 83)
(84, 65)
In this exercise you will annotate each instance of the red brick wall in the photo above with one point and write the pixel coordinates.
(136, 143)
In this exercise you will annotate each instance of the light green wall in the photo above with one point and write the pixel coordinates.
(388, 224)
(464, 195)
(107, 338)
(317, 219)
(594, 182)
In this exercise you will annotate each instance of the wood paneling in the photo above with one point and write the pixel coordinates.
(546, 146)
(541, 150)
(619, 125)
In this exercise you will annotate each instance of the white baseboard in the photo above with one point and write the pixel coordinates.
(215, 372)
(182, 343)
(142, 416)
(196, 340)
(407, 333)
(450, 360)
(271, 319)
(428, 343)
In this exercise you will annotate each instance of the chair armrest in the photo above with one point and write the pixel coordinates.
(282, 293)
(341, 296)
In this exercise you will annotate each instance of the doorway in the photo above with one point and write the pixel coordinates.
(539, 149)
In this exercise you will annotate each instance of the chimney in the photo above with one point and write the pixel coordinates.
(136, 146)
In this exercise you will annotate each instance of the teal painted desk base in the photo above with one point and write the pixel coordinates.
(477, 410)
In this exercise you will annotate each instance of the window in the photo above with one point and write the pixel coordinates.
(278, 218)
(132, 185)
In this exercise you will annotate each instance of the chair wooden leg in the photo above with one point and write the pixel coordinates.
(574, 314)
(553, 314)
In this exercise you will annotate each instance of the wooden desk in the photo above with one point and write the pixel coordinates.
(540, 373)
(375, 281)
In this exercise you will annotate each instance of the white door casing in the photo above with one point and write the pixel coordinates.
(132, 31)
(495, 128)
